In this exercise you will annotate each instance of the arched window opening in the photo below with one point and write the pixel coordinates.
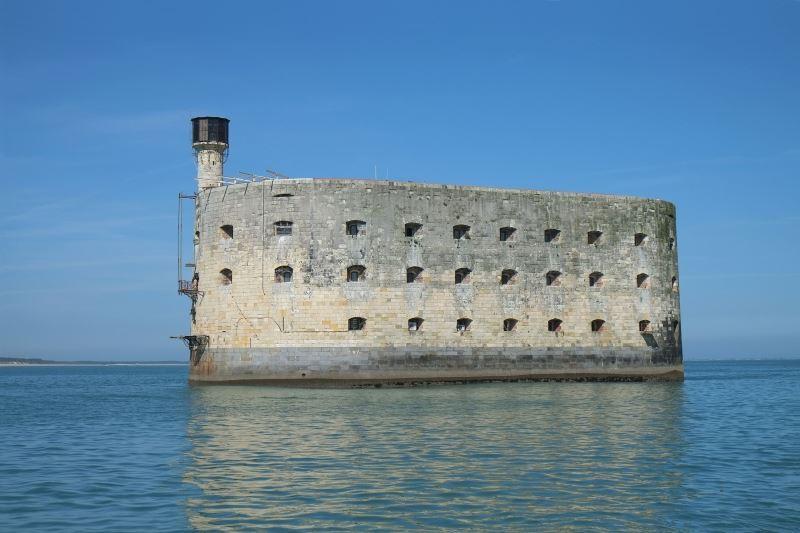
(553, 278)
(593, 237)
(412, 228)
(507, 233)
(671, 243)
(554, 324)
(356, 227)
(283, 227)
(643, 281)
(462, 275)
(283, 274)
(674, 284)
(413, 274)
(596, 279)
(227, 231)
(507, 276)
(226, 276)
(598, 325)
(509, 324)
(644, 326)
(552, 235)
(461, 232)
(356, 273)
(639, 239)
(462, 324)
(414, 324)
(356, 323)
(196, 237)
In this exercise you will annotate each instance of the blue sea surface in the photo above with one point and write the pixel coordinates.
(131, 448)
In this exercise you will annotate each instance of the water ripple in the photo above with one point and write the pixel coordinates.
(91, 449)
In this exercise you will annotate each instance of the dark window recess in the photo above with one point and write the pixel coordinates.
(509, 324)
(598, 325)
(553, 278)
(552, 235)
(596, 279)
(414, 324)
(554, 324)
(462, 275)
(461, 232)
(593, 237)
(413, 274)
(674, 284)
(412, 228)
(643, 281)
(283, 195)
(644, 326)
(283, 274)
(226, 276)
(227, 231)
(356, 227)
(507, 276)
(671, 243)
(462, 324)
(507, 233)
(283, 227)
(356, 273)
(356, 323)
(639, 239)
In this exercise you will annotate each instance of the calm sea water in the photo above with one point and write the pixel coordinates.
(135, 448)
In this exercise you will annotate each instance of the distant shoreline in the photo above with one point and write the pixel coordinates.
(35, 361)
(89, 364)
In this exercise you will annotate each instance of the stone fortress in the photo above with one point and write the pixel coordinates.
(347, 282)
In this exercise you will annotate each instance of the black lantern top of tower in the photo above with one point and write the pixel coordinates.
(210, 130)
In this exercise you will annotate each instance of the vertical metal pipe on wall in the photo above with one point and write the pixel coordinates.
(180, 238)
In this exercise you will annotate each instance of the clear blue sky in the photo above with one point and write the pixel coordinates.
(696, 102)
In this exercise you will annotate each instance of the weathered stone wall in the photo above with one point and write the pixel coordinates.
(262, 329)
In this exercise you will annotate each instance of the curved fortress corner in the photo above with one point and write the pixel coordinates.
(349, 282)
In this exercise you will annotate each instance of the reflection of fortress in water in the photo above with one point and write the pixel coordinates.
(343, 281)
(411, 458)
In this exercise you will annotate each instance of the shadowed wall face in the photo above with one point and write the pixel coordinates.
(350, 251)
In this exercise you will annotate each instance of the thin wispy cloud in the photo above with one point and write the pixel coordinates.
(85, 228)
(56, 264)
(138, 122)
(67, 117)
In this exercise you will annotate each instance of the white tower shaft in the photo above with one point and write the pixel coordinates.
(210, 159)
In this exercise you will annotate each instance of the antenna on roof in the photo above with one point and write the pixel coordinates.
(277, 175)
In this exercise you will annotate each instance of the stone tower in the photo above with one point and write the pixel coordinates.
(210, 143)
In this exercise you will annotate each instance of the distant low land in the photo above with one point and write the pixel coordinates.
(16, 361)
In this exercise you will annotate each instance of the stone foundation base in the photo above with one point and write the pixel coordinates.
(400, 366)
